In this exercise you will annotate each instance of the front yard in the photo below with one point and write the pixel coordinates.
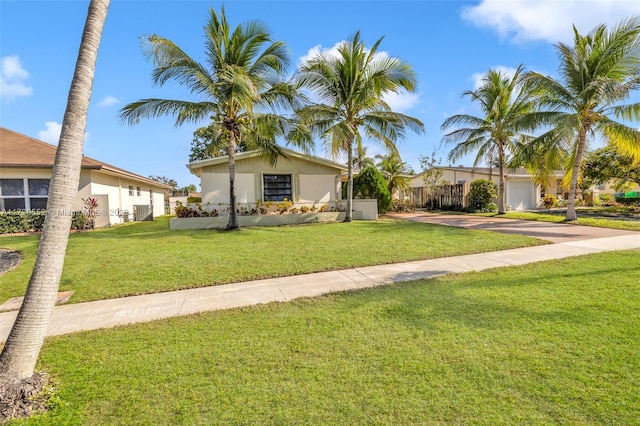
(604, 217)
(547, 343)
(147, 257)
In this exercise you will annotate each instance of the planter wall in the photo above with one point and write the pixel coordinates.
(260, 220)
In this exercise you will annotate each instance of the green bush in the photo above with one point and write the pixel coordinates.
(606, 199)
(184, 211)
(194, 200)
(481, 195)
(405, 206)
(626, 200)
(33, 221)
(78, 220)
(21, 221)
(371, 184)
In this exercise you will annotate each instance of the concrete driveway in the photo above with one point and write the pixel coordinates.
(554, 232)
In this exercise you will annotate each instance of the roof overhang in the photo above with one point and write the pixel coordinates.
(196, 167)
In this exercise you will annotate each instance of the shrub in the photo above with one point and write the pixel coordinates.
(400, 206)
(78, 220)
(284, 206)
(549, 201)
(184, 211)
(606, 199)
(194, 200)
(627, 200)
(371, 184)
(21, 221)
(481, 195)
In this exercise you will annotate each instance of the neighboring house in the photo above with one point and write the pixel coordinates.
(520, 191)
(26, 165)
(303, 179)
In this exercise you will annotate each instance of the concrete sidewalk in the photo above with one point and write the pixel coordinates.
(115, 312)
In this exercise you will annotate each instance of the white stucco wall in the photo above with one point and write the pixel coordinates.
(116, 189)
(215, 188)
(112, 192)
(316, 188)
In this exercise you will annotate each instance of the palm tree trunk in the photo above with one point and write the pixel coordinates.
(573, 187)
(502, 206)
(21, 350)
(571, 206)
(233, 216)
(347, 216)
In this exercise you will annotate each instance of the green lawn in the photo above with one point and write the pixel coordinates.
(147, 257)
(548, 343)
(596, 218)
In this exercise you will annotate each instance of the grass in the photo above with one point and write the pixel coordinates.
(548, 343)
(147, 257)
(625, 223)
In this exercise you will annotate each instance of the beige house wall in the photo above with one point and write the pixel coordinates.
(112, 192)
(116, 189)
(311, 182)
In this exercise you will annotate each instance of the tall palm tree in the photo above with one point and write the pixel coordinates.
(504, 101)
(598, 74)
(397, 173)
(350, 87)
(21, 350)
(243, 83)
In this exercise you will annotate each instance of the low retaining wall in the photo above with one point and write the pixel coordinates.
(221, 222)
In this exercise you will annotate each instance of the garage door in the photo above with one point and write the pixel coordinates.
(521, 195)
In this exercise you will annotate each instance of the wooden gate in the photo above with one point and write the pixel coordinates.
(442, 197)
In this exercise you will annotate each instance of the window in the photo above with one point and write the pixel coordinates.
(277, 187)
(131, 190)
(23, 194)
(138, 192)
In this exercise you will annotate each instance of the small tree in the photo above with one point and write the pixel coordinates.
(370, 183)
(608, 163)
(431, 174)
(166, 181)
(482, 192)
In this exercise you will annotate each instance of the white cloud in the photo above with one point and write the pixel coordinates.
(318, 49)
(52, 132)
(478, 78)
(12, 77)
(108, 101)
(401, 102)
(551, 20)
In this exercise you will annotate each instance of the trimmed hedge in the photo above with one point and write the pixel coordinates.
(628, 201)
(13, 222)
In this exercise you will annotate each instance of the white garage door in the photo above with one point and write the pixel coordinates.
(521, 195)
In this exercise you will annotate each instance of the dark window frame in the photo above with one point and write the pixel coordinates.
(277, 186)
(25, 198)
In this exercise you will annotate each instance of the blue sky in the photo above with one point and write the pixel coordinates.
(450, 44)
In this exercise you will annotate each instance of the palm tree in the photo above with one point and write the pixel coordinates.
(21, 350)
(504, 101)
(350, 87)
(243, 84)
(397, 174)
(598, 74)
(360, 159)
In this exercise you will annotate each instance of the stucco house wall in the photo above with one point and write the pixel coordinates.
(116, 190)
(520, 191)
(312, 180)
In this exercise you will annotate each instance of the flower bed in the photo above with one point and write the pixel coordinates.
(220, 222)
